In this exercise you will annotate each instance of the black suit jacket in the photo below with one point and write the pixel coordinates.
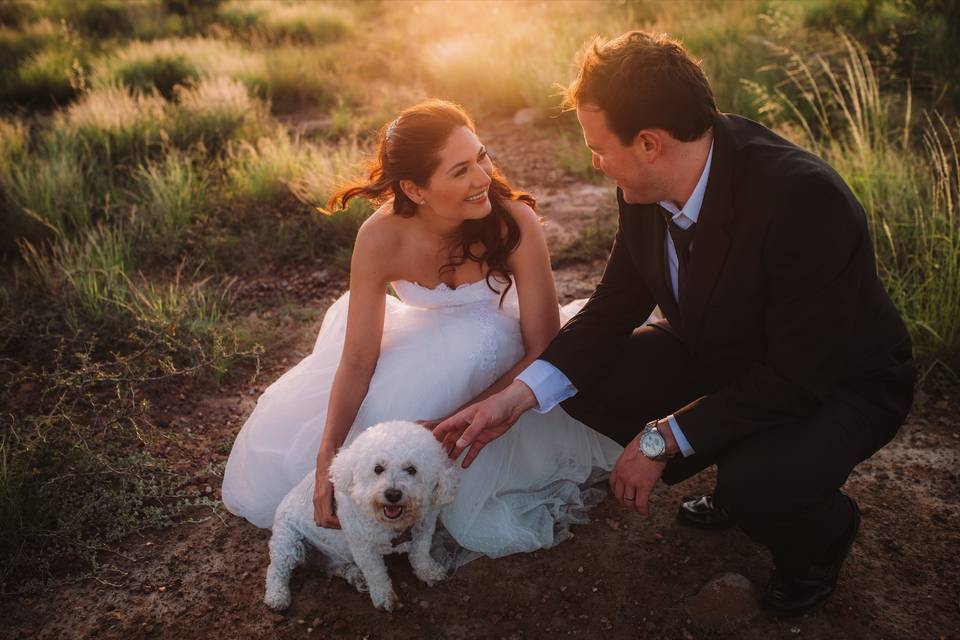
(782, 304)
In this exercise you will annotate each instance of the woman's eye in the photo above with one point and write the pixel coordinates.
(483, 155)
(411, 470)
(378, 469)
(460, 172)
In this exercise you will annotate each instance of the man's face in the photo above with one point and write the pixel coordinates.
(630, 166)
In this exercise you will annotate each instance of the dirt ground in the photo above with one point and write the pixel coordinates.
(621, 576)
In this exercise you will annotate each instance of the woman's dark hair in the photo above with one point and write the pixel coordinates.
(642, 81)
(409, 149)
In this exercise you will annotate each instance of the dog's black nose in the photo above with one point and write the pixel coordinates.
(393, 495)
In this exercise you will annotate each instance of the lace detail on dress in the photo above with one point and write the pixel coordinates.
(443, 295)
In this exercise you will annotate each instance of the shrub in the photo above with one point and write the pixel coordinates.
(273, 21)
(117, 126)
(213, 111)
(144, 66)
(171, 194)
(43, 195)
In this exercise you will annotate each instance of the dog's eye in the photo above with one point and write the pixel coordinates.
(411, 470)
(378, 469)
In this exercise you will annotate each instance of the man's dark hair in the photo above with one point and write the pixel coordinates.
(643, 81)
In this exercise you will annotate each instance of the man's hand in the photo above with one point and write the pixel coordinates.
(483, 422)
(635, 475)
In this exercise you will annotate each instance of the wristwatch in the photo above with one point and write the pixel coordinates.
(652, 443)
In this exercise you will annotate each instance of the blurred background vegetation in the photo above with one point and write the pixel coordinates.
(155, 152)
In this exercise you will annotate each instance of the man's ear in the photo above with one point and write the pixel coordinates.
(412, 191)
(647, 144)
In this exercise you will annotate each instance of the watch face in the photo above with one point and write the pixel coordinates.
(652, 444)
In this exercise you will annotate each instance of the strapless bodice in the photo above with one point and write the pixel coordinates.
(468, 293)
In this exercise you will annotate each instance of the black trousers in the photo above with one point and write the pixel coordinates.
(781, 485)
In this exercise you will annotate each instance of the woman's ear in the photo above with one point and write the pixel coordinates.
(412, 191)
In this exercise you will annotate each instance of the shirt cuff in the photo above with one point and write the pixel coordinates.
(681, 439)
(549, 385)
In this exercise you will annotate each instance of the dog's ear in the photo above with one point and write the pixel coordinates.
(341, 472)
(446, 486)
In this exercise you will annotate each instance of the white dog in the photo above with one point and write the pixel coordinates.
(389, 485)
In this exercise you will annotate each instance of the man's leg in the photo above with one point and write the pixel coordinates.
(782, 487)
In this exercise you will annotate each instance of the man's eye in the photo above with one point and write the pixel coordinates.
(483, 154)
(411, 470)
(460, 172)
(378, 469)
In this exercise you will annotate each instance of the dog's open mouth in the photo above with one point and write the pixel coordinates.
(392, 511)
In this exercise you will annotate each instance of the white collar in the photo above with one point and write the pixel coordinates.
(691, 209)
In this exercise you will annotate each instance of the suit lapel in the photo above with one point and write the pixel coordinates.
(712, 239)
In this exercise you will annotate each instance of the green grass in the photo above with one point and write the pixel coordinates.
(148, 173)
(575, 158)
(273, 21)
(910, 191)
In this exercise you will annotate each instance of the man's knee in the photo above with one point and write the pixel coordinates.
(756, 488)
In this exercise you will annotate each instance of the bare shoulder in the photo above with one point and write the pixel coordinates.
(524, 215)
(377, 240)
(379, 230)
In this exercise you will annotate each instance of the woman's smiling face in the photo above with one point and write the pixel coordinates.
(458, 188)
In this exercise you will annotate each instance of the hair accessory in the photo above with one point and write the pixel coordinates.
(391, 128)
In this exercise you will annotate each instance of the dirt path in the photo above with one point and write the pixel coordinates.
(619, 577)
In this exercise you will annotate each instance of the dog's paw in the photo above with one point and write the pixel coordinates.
(355, 577)
(387, 602)
(277, 599)
(430, 572)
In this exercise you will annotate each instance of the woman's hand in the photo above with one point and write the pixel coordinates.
(324, 506)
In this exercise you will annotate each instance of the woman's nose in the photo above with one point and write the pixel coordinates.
(483, 178)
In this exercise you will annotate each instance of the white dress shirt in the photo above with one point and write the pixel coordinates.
(551, 386)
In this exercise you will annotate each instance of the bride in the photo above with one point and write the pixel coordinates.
(476, 304)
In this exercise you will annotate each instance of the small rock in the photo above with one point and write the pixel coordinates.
(528, 116)
(726, 600)
(613, 524)
(315, 623)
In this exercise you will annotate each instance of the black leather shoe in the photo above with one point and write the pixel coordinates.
(702, 512)
(789, 595)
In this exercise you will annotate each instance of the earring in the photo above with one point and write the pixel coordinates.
(423, 202)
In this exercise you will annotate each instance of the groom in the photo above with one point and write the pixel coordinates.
(780, 358)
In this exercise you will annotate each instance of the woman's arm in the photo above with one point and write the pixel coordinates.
(536, 291)
(361, 349)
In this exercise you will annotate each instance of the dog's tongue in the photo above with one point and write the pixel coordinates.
(392, 511)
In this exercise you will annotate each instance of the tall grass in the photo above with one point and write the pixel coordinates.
(43, 195)
(910, 191)
(167, 62)
(214, 111)
(273, 21)
(172, 194)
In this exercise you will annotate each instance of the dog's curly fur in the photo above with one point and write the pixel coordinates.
(390, 465)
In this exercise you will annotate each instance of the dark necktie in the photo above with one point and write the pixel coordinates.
(683, 243)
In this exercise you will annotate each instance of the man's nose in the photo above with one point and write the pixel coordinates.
(393, 495)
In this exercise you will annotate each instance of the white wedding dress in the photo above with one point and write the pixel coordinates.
(441, 348)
